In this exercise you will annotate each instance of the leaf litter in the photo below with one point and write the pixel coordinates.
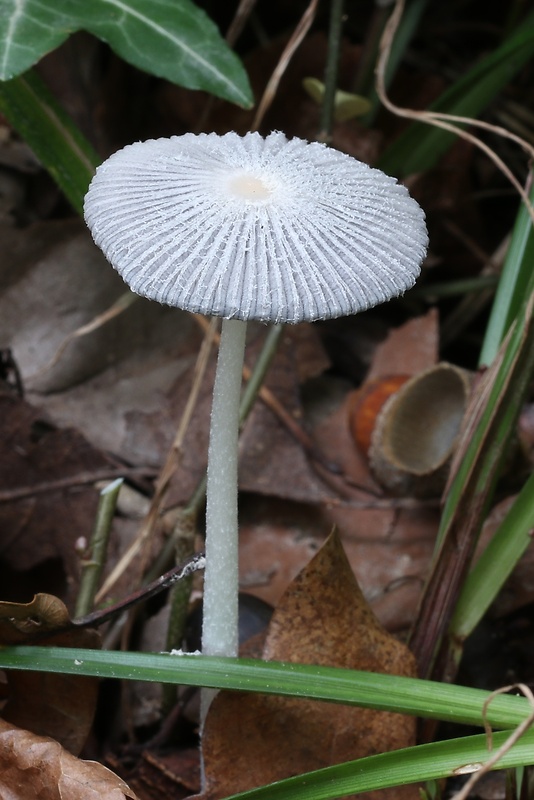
(124, 390)
(322, 618)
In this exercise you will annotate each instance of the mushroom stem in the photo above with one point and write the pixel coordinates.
(219, 628)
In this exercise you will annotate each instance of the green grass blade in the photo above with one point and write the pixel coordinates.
(368, 690)
(52, 135)
(489, 427)
(513, 285)
(420, 146)
(414, 764)
(486, 579)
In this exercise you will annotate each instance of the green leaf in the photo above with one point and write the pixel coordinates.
(54, 138)
(366, 689)
(172, 39)
(369, 690)
(513, 284)
(488, 430)
(400, 767)
(29, 30)
(494, 567)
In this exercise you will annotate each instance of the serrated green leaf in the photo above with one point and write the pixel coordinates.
(172, 39)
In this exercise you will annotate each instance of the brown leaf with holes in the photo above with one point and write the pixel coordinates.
(49, 704)
(37, 768)
(323, 618)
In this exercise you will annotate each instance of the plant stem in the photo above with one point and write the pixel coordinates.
(330, 77)
(93, 567)
(220, 631)
(257, 376)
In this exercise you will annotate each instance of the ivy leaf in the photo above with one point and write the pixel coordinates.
(172, 39)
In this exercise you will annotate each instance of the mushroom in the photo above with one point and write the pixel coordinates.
(250, 228)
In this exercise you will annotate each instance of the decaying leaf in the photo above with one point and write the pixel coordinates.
(38, 768)
(48, 704)
(47, 499)
(251, 740)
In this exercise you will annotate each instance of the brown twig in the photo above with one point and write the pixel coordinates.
(243, 12)
(447, 122)
(297, 36)
(121, 304)
(80, 479)
(165, 581)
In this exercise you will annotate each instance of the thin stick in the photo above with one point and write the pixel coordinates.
(298, 35)
(256, 376)
(178, 573)
(239, 21)
(80, 479)
(243, 12)
(121, 304)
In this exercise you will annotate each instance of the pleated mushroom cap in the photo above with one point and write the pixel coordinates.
(249, 227)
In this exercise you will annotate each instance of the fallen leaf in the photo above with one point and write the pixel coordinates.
(47, 500)
(46, 703)
(323, 618)
(174, 773)
(388, 548)
(54, 280)
(272, 461)
(37, 768)
(409, 349)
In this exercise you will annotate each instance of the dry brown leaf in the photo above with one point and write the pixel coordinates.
(409, 349)
(252, 740)
(40, 303)
(37, 768)
(49, 704)
(46, 500)
(155, 775)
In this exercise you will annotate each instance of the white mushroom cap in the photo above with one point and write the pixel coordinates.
(249, 227)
